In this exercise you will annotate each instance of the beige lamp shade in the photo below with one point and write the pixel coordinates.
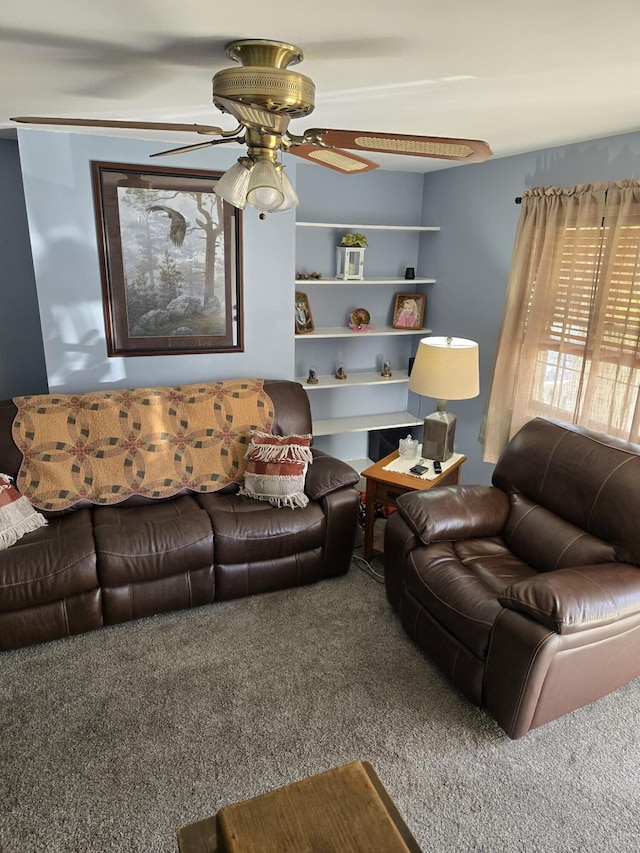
(446, 369)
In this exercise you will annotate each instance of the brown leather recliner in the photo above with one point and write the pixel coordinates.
(526, 593)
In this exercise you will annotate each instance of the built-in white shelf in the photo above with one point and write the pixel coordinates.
(395, 282)
(364, 423)
(346, 332)
(398, 344)
(351, 227)
(354, 379)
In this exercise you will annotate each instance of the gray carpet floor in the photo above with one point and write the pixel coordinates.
(114, 739)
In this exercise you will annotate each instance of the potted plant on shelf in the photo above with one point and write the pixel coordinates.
(350, 256)
(352, 238)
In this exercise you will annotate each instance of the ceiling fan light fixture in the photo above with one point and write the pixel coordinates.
(264, 95)
(291, 199)
(265, 186)
(233, 185)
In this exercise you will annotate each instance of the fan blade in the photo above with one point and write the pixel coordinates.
(142, 65)
(253, 116)
(183, 149)
(126, 125)
(440, 147)
(334, 158)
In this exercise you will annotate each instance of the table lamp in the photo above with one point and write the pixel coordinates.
(446, 369)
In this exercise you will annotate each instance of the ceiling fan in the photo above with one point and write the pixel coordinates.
(263, 95)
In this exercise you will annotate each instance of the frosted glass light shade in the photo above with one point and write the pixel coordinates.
(232, 186)
(265, 187)
(291, 199)
(446, 369)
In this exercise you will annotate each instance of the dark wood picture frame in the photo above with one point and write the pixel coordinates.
(304, 317)
(408, 310)
(171, 261)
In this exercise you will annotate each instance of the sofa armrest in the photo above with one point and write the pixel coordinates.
(455, 512)
(573, 599)
(326, 474)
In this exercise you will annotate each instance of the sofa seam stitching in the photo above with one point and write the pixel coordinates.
(154, 553)
(526, 679)
(602, 485)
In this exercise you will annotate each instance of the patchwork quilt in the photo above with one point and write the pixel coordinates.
(106, 446)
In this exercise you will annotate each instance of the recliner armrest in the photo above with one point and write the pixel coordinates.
(447, 513)
(326, 474)
(573, 599)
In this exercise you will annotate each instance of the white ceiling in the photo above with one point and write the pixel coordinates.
(520, 74)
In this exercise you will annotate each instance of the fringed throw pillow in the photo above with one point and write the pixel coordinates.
(17, 516)
(276, 468)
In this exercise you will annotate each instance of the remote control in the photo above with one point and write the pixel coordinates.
(437, 467)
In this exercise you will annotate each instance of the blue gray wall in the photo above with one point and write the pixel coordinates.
(56, 170)
(474, 205)
(470, 257)
(22, 368)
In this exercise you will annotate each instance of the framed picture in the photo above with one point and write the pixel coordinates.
(408, 310)
(304, 318)
(171, 261)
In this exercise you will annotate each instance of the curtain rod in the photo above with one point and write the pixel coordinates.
(518, 199)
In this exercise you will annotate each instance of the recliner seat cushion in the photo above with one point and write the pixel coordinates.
(49, 564)
(458, 583)
(246, 530)
(143, 543)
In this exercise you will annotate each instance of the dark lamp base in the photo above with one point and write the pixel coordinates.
(437, 439)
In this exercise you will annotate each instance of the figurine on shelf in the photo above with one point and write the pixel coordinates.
(360, 320)
(386, 369)
(341, 373)
(312, 379)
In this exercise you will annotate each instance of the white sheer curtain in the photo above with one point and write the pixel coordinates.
(569, 345)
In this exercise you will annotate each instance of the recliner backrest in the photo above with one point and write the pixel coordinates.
(586, 483)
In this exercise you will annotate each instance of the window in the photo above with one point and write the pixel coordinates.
(570, 342)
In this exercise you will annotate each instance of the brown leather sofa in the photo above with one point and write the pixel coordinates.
(104, 565)
(526, 593)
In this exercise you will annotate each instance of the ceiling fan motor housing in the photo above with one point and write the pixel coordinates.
(265, 79)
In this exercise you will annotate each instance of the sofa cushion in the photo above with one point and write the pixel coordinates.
(49, 564)
(144, 543)
(246, 530)
(276, 467)
(291, 407)
(458, 583)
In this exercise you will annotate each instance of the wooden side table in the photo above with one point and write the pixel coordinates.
(386, 487)
(344, 810)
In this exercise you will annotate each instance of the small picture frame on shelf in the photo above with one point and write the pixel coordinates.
(408, 310)
(304, 318)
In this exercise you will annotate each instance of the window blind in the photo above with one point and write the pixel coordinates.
(589, 349)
